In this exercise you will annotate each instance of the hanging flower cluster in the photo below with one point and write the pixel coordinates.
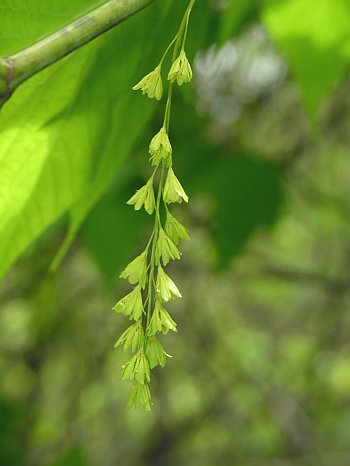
(144, 305)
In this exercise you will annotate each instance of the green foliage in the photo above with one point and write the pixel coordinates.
(247, 189)
(12, 423)
(242, 185)
(36, 19)
(261, 360)
(73, 457)
(65, 133)
(234, 15)
(61, 144)
(119, 237)
(314, 38)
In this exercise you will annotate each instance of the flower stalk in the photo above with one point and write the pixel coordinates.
(153, 287)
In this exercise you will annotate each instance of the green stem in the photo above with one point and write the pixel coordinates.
(167, 50)
(17, 68)
(189, 10)
(179, 36)
(153, 253)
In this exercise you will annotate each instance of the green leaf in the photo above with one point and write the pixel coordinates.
(39, 175)
(65, 134)
(23, 23)
(13, 419)
(314, 37)
(245, 189)
(233, 17)
(73, 457)
(138, 108)
(247, 192)
(111, 230)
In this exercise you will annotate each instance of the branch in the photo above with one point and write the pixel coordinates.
(17, 68)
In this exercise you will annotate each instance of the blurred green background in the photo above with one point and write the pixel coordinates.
(260, 374)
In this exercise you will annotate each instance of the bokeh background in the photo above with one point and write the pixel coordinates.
(260, 374)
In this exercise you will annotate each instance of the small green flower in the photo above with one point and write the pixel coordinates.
(165, 287)
(181, 70)
(131, 305)
(175, 230)
(136, 271)
(132, 337)
(151, 84)
(144, 197)
(137, 368)
(140, 397)
(166, 249)
(173, 191)
(160, 321)
(160, 149)
(155, 353)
